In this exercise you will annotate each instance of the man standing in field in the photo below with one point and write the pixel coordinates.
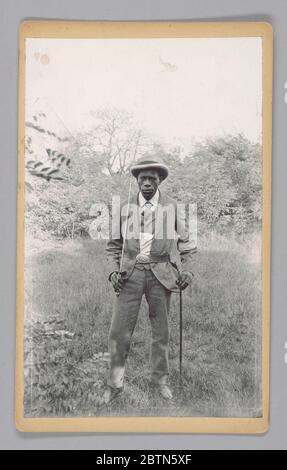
(151, 255)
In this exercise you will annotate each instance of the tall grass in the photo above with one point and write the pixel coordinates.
(222, 335)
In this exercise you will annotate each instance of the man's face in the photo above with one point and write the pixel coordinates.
(148, 182)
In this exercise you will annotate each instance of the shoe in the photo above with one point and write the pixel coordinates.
(110, 394)
(164, 391)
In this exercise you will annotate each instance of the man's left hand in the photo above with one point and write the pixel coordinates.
(184, 280)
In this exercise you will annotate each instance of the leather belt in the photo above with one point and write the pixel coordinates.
(144, 262)
(152, 258)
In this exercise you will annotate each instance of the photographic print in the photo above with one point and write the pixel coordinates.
(143, 227)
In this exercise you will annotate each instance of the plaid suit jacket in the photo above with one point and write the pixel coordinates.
(172, 241)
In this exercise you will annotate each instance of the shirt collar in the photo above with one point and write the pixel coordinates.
(153, 200)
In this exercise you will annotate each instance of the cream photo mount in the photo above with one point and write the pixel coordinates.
(94, 29)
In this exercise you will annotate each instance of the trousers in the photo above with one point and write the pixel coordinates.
(141, 282)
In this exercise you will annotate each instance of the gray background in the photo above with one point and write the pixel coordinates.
(11, 13)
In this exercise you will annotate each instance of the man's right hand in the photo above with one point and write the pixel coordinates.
(117, 282)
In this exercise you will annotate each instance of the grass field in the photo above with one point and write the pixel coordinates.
(67, 317)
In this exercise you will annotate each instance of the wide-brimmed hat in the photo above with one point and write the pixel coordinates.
(150, 163)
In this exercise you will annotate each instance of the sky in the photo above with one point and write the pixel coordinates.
(180, 90)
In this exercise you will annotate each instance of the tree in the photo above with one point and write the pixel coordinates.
(116, 140)
(65, 177)
(223, 177)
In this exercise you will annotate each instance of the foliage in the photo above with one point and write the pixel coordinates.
(116, 140)
(221, 175)
(59, 384)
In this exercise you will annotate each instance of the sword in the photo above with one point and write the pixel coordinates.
(180, 334)
(125, 235)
